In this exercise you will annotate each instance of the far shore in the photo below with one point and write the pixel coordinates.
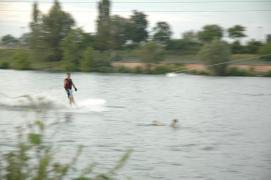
(257, 68)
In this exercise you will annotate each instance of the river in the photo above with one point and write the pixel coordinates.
(224, 122)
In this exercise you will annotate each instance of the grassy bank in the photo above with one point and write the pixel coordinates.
(174, 62)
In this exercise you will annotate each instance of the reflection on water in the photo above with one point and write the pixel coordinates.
(224, 123)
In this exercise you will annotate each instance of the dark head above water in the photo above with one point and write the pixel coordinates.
(174, 123)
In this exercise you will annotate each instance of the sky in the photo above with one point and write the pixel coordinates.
(182, 15)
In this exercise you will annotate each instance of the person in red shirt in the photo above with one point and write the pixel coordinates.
(68, 84)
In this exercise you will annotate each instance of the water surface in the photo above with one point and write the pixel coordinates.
(224, 122)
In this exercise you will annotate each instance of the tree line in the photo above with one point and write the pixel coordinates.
(54, 37)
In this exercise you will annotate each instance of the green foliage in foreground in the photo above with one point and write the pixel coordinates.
(215, 53)
(34, 159)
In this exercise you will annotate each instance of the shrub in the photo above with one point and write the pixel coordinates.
(161, 69)
(139, 70)
(123, 69)
(233, 71)
(152, 53)
(101, 59)
(21, 61)
(104, 69)
(199, 72)
(116, 57)
(215, 53)
(69, 67)
(265, 50)
(268, 74)
(4, 65)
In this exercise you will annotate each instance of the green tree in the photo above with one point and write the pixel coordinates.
(24, 40)
(138, 29)
(189, 44)
(237, 32)
(236, 47)
(56, 26)
(36, 42)
(162, 33)
(183, 46)
(152, 53)
(253, 46)
(88, 40)
(216, 55)
(9, 40)
(119, 31)
(265, 52)
(86, 64)
(190, 36)
(103, 36)
(71, 47)
(210, 32)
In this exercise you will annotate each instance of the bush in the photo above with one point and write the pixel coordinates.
(198, 72)
(233, 71)
(123, 69)
(116, 57)
(4, 65)
(21, 61)
(265, 50)
(215, 53)
(268, 74)
(104, 69)
(139, 70)
(152, 53)
(69, 67)
(161, 69)
(101, 59)
(237, 48)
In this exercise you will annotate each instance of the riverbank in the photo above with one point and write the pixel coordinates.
(197, 68)
(127, 64)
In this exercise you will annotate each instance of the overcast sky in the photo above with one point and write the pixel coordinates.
(15, 15)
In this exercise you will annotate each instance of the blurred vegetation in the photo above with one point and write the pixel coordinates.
(216, 54)
(151, 53)
(34, 158)
(21, 61)
(55, 43)
(265, 49)
(268, 74)
(233, 71)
